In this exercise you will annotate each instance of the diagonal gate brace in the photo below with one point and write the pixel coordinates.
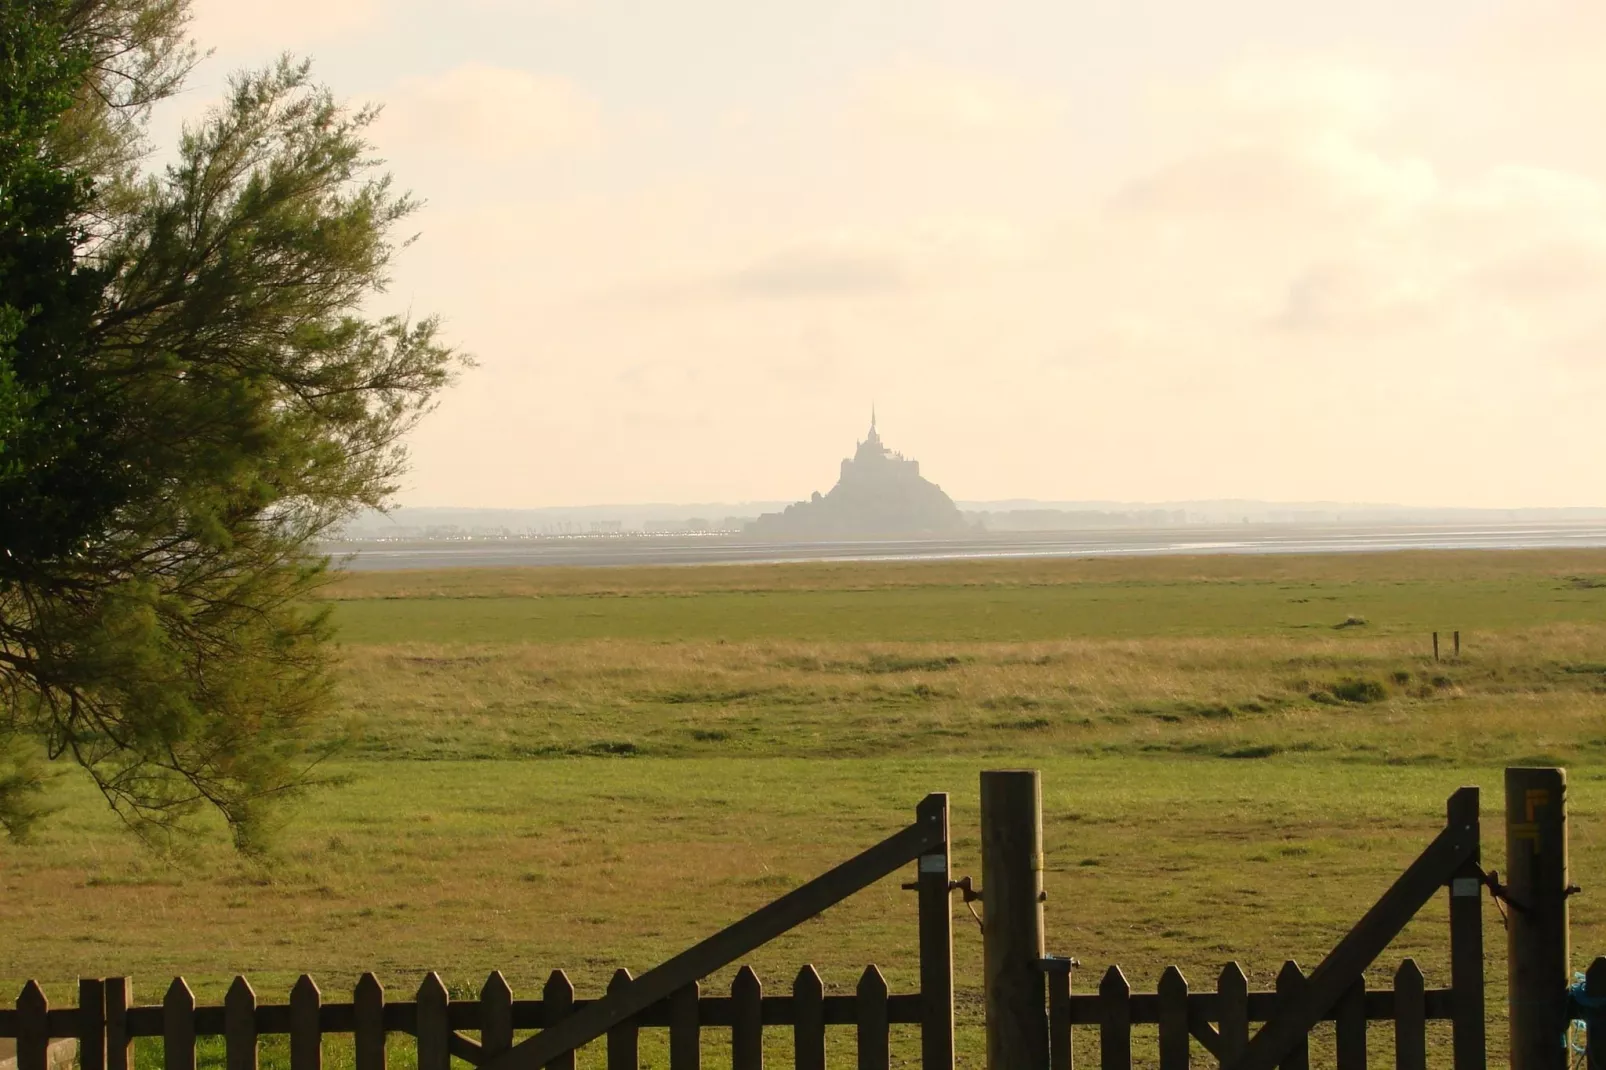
(1432, 870)
(724, 947)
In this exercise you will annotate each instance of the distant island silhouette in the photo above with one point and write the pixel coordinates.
(880, 493)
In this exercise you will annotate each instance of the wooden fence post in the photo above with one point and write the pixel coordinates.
(747, 1021)
(1536, 879)
(240, 1026)
(558, 995)
(434, 1028)
(178, 1027)
(1410, 1018)
(624, 1039)
(870, 1004)
(1012, 920)
(306, 1034)
(808, 1033)
(119, 1045)
(936, 944)
(91, 1024)
(496, 1014)
(1466, 939)
(368, 1023)
(33, 1028)
(685, 1029)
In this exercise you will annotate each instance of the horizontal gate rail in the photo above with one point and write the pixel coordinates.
(1144, 1007)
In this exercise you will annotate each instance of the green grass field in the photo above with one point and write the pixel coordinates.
(593, 768)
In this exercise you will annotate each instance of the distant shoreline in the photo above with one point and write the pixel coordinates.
(613, 550)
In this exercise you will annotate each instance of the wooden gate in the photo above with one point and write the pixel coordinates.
(668, 997)
(1032, 1012)
(1335, 991)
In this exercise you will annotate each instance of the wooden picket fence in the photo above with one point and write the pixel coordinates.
(105, 1022)
(1032, 1013)
(1219, 1021)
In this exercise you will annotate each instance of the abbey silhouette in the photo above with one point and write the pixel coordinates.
(880, 493)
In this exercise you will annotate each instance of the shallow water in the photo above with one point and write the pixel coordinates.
(733, 549)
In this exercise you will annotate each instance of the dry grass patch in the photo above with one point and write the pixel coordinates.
(1351, 696)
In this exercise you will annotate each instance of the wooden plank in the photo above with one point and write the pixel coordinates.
(1060, 1054)
(1468, 1043)
(624, 1049)
(1537, 934)
(368, 1023)
(91, 1023)
(119, 1041)
(496, 1015)
(1200, 1029)
(558, 995)
(725, 946)
(1351, 1031)
(1410, 1023)
(1013, 987)
(1086, 1008)
(874, 1038)
(461, 1047)
(1173, 993)
(178, 1027)
(936, 941)
(1363, 943)
(1232, 990)
(147, 1021)
(466, 1014)
(1115, 1021)
(240, 1026)
(306, 1033)
(1291, 985)
(33, 1029)
(434, 1027)
(808, 1030)
(685, 1030)
(747, 1028)
(903, 1008)
(399, 1018)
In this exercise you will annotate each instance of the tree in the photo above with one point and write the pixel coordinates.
(195, 395)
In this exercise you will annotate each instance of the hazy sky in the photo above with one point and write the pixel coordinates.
(1072, 249)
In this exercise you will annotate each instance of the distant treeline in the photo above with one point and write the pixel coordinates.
(1072, 519)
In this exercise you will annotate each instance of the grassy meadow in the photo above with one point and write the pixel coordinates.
(593, 768)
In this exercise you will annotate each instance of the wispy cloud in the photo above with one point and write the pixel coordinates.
(231, 24)
(489, 113)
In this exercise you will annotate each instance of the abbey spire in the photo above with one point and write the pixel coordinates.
(880, 493)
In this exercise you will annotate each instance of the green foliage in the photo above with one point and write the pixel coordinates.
(190, 397)
(22, 787)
